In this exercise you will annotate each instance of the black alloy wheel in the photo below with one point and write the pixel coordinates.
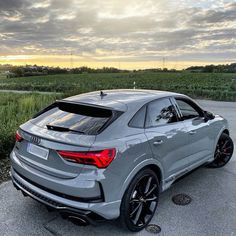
(223, 153)
(140, 201)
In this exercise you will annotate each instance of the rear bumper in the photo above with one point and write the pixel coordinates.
(89, 210)
(66, 211)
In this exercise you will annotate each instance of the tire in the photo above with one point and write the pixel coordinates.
(223, 152)
(140, 201)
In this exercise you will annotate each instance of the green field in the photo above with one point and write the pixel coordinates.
(17, 108)
(216, 86)
(2, 76)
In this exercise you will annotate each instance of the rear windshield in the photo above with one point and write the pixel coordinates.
(69, 117)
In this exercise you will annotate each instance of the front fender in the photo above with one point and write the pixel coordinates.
(219, 134)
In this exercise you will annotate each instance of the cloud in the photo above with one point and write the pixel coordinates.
(41, 4)
(119, 30)
(11, 4)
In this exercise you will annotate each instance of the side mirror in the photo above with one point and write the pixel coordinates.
(208, 116)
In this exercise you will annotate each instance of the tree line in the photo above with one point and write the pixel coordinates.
(34, 70)
(228, 68)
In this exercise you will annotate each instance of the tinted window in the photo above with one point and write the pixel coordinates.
(160, 112)
(73, 117)
(187, 110)
(138, 119)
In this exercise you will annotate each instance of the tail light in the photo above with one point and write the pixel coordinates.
(101, 158)
(18, 137)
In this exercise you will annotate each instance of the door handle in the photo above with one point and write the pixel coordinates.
(192, 132)
(158, 142)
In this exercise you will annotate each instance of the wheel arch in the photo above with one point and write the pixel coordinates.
(225, 131)
(156, 169)
(152, 164)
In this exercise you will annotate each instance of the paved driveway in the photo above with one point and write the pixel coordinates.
(212, 211)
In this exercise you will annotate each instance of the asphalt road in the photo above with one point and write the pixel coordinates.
(212, 211)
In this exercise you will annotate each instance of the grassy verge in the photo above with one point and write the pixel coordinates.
(15, 109)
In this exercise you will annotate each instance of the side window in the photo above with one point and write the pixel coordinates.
(160, 112)
(187, 110)
(139, 118)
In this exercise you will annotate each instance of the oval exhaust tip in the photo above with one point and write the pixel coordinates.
(78, 220)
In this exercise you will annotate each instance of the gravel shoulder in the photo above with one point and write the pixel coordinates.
(4, 169)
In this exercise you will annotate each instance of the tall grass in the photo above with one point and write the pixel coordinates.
(15, 109)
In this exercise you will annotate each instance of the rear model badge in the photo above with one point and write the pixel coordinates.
(34, 139)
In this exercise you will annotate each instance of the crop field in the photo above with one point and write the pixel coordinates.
(215, 86)
(17, 108)
(2, 76)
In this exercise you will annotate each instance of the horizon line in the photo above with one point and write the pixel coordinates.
(114, 67)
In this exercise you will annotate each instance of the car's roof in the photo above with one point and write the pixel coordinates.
(120, 99)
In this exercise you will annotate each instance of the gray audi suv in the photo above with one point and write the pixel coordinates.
(109, 154)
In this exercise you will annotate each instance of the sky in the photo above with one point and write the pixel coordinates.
(127, 34)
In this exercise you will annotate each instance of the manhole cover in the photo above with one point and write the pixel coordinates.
(154, 229)
(181, 199)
